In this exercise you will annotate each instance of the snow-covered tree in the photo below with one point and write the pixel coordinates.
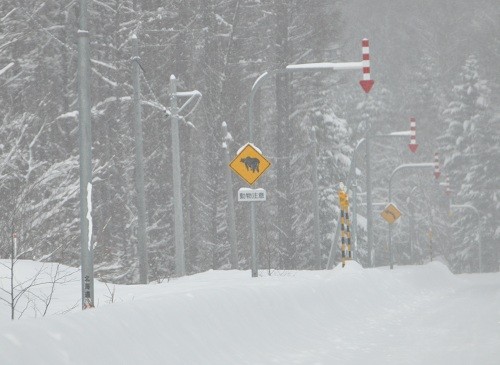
(471, 143)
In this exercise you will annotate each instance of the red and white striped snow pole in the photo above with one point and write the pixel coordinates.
(413, 135)
(367, 82)
(437, 170)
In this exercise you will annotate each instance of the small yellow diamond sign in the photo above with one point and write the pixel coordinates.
(391, 213)
(249, 164)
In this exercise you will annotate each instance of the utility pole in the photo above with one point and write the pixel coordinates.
(139, 167)
(317, 243)
(174, 116)
(85, 141)
(230, 199)
(180, 267)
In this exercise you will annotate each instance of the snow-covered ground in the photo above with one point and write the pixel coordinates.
(410, 315)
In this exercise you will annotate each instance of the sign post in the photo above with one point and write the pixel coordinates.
(252, 195)
(390, 214)
(250, 164)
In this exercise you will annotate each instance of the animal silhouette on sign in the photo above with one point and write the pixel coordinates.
(251, 163)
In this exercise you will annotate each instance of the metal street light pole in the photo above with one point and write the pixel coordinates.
(478, 217)
(324, 66)
(422, 165)
(369, 207)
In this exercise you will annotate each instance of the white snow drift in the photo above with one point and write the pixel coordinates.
(410, 315)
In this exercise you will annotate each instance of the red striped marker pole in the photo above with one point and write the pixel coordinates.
(413, 135)
(437, 171)
(367, 82)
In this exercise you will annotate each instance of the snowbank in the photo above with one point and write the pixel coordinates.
(410, 315)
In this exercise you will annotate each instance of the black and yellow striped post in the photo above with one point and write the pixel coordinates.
(342, 235)
(344, 224)
(348, 233)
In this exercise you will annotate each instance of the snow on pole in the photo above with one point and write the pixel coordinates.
(448, 188)
(413, 135)
(437, 171)
(367, 82)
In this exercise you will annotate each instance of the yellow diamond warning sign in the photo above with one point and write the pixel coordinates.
(249, 163)
(391, 213)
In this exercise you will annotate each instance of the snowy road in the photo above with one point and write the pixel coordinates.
(411, 315)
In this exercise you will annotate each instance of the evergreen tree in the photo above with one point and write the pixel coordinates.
(472, 150)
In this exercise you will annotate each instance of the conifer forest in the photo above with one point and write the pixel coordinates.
(435, 61)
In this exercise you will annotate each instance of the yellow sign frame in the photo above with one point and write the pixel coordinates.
(391, 213)
(249, 164)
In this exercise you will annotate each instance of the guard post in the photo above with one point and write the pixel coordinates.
(344, 224)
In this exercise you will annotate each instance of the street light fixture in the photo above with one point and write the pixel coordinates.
(366, 84)
(369, 204)
(422, 165)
